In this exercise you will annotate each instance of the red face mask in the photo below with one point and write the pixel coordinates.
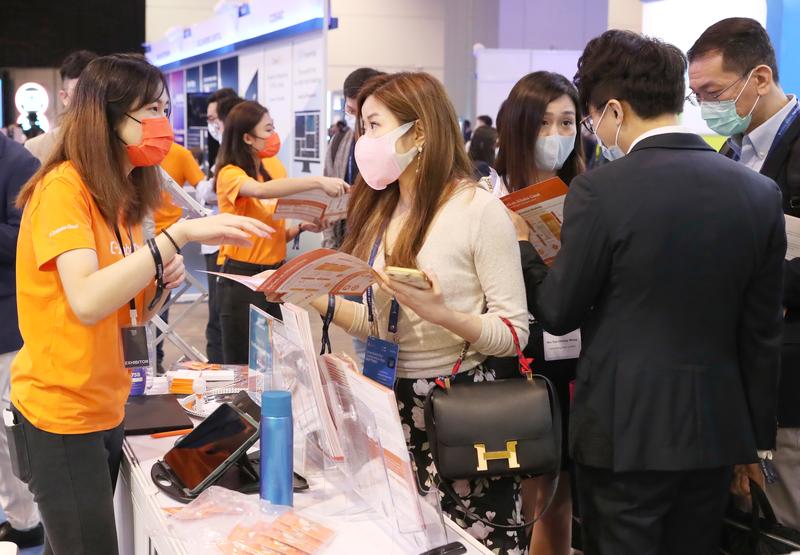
(272, 146)
(156, 140)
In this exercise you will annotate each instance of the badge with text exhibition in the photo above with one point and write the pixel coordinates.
(134, 347)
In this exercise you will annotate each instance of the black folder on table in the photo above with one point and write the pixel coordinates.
(151, 414)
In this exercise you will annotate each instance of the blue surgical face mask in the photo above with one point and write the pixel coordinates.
(610, 153)
(721, 115)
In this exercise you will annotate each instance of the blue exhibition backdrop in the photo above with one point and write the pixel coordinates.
(783, 26)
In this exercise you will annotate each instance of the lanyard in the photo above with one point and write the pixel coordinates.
(394, 311)
(132, 302)
(787, 121)
(349, 176)
(326, 326)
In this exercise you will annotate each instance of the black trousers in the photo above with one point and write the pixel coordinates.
(652, 512)
(213, 329)
(72, 481)
(234, 310)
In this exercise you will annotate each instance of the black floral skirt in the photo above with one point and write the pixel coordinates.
(493, 499)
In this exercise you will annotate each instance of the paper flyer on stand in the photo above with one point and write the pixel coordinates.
(542, 206)
(298, 329)
(311, 206)
(260, 348)
(318, 272)
(792, 237)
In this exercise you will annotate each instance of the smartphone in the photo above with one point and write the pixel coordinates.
(408, 276)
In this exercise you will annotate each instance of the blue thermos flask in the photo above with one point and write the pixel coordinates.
(276, 447)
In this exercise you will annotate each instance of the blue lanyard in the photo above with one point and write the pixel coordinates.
(787, 121)
(394, 311)
(349, 177)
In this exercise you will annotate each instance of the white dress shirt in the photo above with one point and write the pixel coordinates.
(756, 144)
(661, 131)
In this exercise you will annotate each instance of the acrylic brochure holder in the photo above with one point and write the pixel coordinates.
(352, 475)
(387, 485)
(377, 466)
(276, 362)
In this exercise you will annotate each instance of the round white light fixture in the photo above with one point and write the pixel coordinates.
(32, 97)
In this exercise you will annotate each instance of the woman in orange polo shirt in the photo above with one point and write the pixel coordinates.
(83, 274)
(248, 176)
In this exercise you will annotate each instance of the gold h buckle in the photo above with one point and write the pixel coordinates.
(510, 454)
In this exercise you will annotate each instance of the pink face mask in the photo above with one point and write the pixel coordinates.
(378, 161)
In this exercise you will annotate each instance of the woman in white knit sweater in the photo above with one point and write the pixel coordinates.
(417, 207)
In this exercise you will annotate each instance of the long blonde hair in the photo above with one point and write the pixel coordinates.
(442, 164)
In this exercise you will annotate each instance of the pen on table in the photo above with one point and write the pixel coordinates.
(171, 433)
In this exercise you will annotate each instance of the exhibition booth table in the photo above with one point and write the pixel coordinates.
(143, 510)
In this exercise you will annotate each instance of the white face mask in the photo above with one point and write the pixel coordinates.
(552, 151)
(350, 120)
(215, 132)
(614, 152)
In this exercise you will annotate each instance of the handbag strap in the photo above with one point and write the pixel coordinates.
(524, 362)
(762, 504)
(447, 489)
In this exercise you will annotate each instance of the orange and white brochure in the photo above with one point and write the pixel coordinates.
(542, 206)
(311, 206)
(315, 273)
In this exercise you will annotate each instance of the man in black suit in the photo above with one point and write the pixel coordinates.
(671, 265)
(736, 54)
(17, 165)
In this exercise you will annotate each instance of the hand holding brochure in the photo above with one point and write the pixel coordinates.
(311, 206)
(318, 272)
(542, 206)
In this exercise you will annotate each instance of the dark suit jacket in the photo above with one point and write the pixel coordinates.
(671, 264)
(17, 165)
(783, 165)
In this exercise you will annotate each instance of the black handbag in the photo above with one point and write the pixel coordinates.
(500, 428)
(758, 532)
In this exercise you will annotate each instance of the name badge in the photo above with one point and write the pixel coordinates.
(562, 347)
(380, 361)
(134, 347)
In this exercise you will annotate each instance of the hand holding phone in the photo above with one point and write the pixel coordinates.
(408, 276)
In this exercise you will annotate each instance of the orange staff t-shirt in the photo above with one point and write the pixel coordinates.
(69, 377)
(264, 250)
(183, 168)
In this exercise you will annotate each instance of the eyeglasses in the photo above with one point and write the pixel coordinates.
(696, 100)
(588, 124)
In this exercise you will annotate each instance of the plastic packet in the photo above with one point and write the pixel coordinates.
(217, 501)
(289, 534)
(232, 523)
(207, 520)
